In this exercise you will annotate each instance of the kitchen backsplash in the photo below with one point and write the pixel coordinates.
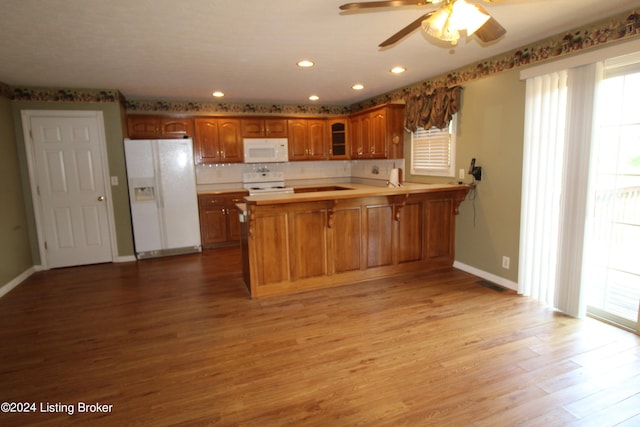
(228, 176)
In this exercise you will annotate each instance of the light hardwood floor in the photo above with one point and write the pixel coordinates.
(177, 341)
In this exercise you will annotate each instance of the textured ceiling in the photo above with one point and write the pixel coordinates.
(183, 50)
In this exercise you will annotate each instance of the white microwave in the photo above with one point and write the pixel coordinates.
(266, 150)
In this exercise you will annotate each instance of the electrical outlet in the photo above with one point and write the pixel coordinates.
(462, 173)
(506, 261)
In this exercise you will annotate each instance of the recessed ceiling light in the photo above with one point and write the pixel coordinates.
(314, 97)
(357, 86)
(305, 63)
(218, 94)
(398, 70)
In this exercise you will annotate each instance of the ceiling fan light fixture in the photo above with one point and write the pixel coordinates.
(455, 16)
(435, 24)
(465, 16)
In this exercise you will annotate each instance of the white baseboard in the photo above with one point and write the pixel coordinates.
(7, 287)
(128, 258)
(487, 276)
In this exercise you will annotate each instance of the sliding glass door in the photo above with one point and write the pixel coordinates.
(611, 270)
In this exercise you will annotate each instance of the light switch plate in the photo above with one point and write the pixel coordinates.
(114, 181)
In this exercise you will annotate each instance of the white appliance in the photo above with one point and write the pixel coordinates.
(162, 193)
(265, 183)
(266, 150)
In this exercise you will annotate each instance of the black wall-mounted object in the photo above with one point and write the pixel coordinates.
(474, 170)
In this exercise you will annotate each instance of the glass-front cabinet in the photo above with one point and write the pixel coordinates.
(338, 138)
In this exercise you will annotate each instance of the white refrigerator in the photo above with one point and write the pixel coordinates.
(162, 193)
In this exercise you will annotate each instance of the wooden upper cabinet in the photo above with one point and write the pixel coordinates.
(378, 136)
(176, 127)
(157, 127)
(378, 133)
(218, 140)
(264, 128)
(338, 138)
(307, 139)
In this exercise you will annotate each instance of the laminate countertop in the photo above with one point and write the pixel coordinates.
(313, 193)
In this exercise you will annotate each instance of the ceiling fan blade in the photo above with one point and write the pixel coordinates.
(390, 3)
(405, 31)
(491, 30)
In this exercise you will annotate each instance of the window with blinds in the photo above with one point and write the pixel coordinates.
(433, 151)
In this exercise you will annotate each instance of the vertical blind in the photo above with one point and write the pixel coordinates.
(546, 100)
(557, 141)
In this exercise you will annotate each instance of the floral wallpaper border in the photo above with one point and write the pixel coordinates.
(141, 106)
(613, 29)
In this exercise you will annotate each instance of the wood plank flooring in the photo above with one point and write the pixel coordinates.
(177, 341)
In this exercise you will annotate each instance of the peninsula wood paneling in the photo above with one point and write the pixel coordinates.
(410, 232)
(308, 243)
(379, 235)
(334, 242)
(347, 239)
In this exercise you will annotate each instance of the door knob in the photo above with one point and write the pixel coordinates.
(101, 198)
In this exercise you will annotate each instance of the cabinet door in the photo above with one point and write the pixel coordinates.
(143, 127)
(378, 136)
(213, 219)
(207, 143)
(297, 139)
(357, 148)
(338, 137)
(252, 128)
(317, 139)
(308, 244)
(231, 149)
(275, 128)
(213, 226)
(176, 127)
(366, 136)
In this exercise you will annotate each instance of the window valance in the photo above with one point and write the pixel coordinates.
(434, 109)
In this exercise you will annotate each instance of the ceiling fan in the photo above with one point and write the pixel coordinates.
(444, 23)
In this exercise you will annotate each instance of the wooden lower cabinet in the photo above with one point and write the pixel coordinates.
(219, 219)
(296, 246)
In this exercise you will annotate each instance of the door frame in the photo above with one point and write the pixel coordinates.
(27, 115)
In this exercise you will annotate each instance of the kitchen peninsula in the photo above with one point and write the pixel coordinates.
(331, 236)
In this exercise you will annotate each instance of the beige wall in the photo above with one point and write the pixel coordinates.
(15, 252)
(490, 128)
(112, 114)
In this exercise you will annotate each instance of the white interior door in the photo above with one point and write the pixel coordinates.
(66, 163)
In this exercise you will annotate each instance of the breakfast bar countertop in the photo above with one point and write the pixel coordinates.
(349, 191)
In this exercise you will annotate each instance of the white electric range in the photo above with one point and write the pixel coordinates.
(265, 183)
